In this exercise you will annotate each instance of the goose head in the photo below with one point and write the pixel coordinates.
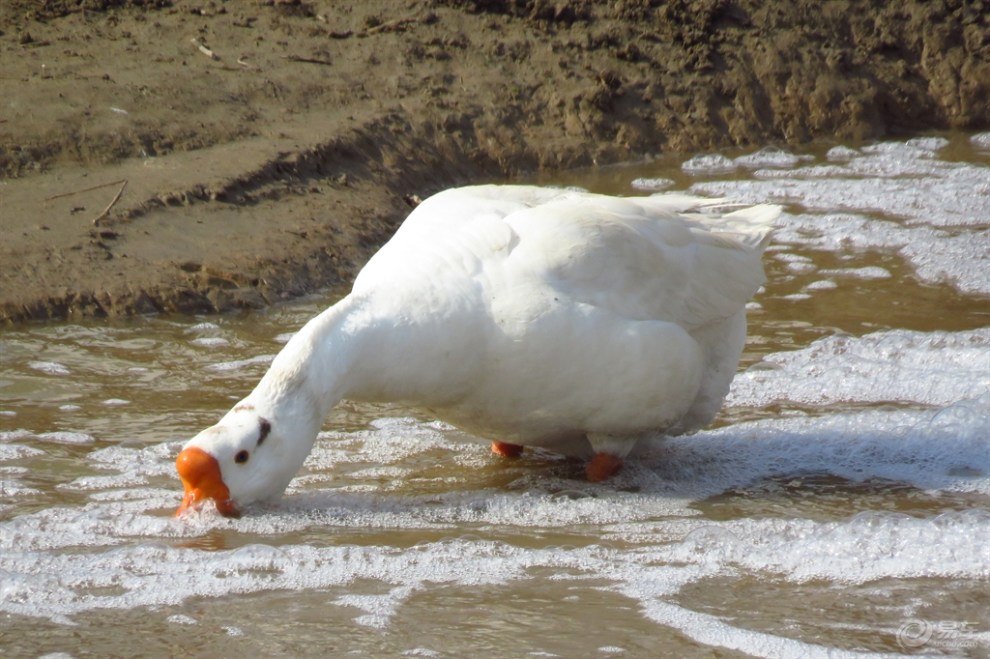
(244, 458)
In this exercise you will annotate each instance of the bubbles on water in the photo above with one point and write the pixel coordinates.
(930, 196)
(890, 425)
(379, 609)
(796, 263)
(180, 619)
(210, 342)
(771, 157)
(11, 452)
(864, 548)
(868, 272)
(934, 368)
(709, 164)
(841, 154)
(51, 368)
(862, 445)
(981, 141)
(203, 328)
(65, 437)
(925, 143)
(241, 364)
(938, 256)
(652, 184)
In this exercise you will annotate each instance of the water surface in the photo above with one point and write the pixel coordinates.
(841, 502)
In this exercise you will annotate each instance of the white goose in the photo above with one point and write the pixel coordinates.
(530, 316)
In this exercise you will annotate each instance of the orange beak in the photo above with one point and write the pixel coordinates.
(201, 479)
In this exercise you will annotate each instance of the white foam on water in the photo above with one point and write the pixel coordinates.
(898, 181)
(796, 263)
(896, 366)
(941, 450)
(864, 548)
(241, 364)
(379, 608)
(652, 184)
(980, 141)
(712, 631)
(868, 272)
(709, 164)
(11, 484)
(959, 258)
(284, 337)
(180, 619)
(51, 368)
(210, 342)
(962, 260)
(203, 328)
(15, 435)
(153, 460)
(925, 143)
(65, 437)
(102, 483)
(152, 574)
(771, 157)
(666, 544)
(841, 153)
(10, 452)
(892, 410)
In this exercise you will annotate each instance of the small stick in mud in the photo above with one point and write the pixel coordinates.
(89, 189)
(116, 198)
(307, 60)
(203, 49)
(397, 25)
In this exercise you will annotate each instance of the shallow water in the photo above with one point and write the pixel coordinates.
(840, 504)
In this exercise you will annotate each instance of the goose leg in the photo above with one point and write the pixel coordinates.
(602, 466)
(609, 453)
(506, 450)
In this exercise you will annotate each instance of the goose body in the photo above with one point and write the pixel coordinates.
(525, 315)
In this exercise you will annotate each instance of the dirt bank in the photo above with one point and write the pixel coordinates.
(269, 147)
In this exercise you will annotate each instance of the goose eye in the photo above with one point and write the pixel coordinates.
(241, 457)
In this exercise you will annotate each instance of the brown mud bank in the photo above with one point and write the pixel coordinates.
(233, 154)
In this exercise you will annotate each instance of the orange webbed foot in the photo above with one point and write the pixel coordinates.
(602, 466)
(507, 450)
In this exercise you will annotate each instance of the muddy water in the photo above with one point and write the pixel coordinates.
(841, 503)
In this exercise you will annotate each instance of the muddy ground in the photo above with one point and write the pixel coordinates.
(250, 151)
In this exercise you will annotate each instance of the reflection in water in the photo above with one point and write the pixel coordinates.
(843, 494)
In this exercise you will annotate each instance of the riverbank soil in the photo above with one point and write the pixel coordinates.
(207, 155)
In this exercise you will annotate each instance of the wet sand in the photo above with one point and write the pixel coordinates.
(268, 148)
